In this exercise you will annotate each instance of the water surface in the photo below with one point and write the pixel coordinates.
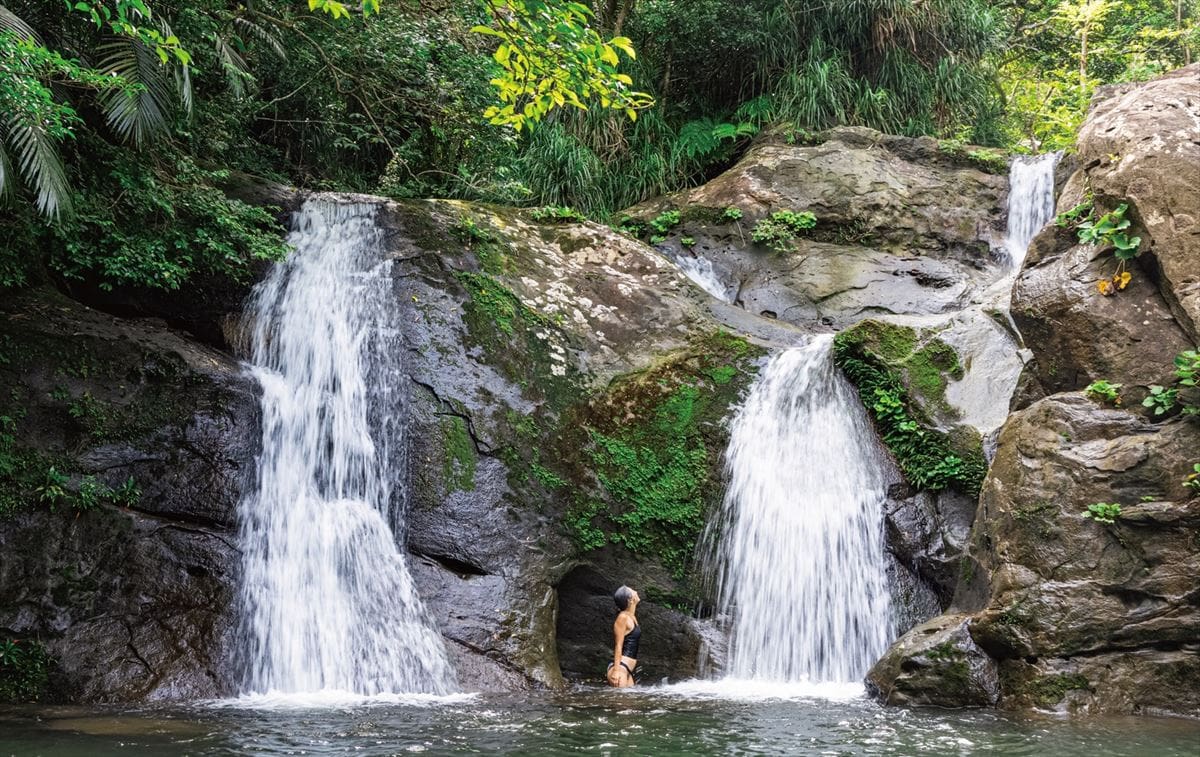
(706, 718)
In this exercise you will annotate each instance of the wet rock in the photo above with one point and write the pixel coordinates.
(1081, 615)
(937, 663)
(544, 326)
(1047, 562)
(130, 589)
(1139, 146)
(903, 228)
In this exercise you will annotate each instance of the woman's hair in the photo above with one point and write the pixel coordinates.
(622, 596)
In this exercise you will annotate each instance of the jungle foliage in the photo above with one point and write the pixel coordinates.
(121, 120)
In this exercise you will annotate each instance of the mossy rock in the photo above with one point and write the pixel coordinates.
(654, 442)
(901, 374)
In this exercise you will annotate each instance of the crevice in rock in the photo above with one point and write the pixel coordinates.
(448, 409)
(461, 568)
(177, 519)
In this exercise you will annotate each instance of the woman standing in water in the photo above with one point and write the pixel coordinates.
(627, 634)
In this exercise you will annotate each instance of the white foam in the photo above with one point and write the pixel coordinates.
(334, 699)
(753, 690)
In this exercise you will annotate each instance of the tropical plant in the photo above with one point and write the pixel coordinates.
(557, 214)
(665, 221)
(132, 75)
(1104, 391)
(1111, 229)
(1192, 481)
(780, 229)
(1102, 512)
(1183, 394)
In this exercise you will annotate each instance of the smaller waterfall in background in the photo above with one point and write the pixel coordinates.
(700, 271)
(800, 563)
(1030, 201)
(327, 601)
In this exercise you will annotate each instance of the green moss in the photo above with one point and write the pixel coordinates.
(722, 374)
(458, 466)
(876, 357)
(704, 216)
(24, 671)
(1048, 691)
(654, 444)
(657, 470)
(1039, 516)
(889, 341)
(966, 570)
(928, 370)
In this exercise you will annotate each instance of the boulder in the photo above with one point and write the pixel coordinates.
(1140, 146)
(128, 449)
(903, 227)
(936, 663)
(1077, 614)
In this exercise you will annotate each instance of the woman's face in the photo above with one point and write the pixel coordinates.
(635, 598)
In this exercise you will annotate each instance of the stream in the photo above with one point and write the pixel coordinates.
(700, 718)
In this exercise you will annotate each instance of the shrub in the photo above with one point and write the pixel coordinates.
(24, 671)
(779, 230)
(1104, 391)
(557, 214)
(1102, 512)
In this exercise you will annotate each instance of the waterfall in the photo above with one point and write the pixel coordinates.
(327, 601)
(1030, 201)
(800, 563)
(700, 271)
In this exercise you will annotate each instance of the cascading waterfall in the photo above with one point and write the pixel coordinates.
(1030, 201)
(700, 271)
(327, 600)
(800, 563)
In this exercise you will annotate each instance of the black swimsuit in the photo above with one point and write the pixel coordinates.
(630, 647)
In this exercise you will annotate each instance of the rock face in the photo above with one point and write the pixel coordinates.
(1138, 147)
(129, 586)
(570, 450)
(568, 392)
(1073, 613)
(903, 228)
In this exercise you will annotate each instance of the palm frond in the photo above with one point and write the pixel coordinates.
(237, 72)
(267, 36)
(39, 162)
(7, 180)
(11, 22)
(136, 113)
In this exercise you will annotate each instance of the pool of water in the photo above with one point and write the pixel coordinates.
(679, 720)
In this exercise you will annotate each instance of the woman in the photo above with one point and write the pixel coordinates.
(627, 633)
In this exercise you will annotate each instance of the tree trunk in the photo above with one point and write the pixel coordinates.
(626, 7)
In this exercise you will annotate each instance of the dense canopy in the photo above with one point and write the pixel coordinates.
(122, 118)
